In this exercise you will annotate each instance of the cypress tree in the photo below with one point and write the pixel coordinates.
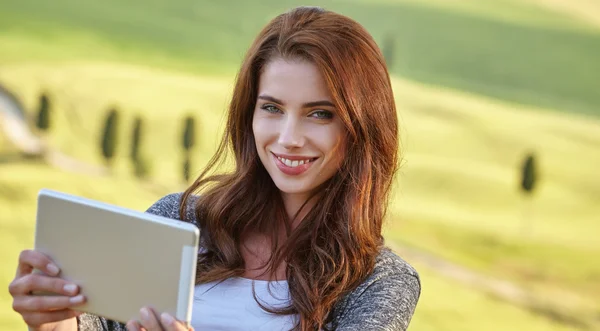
(109, 136)
(528, 174)
(529, 179)
(188, 142)
(189, 133)
(43, 116)
(136, 136)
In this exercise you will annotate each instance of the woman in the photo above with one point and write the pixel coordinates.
(291, 239)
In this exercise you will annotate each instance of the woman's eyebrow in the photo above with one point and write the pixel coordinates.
(306, 105)
(318, 104)
(270, 98)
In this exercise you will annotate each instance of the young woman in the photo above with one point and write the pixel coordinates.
(291, 238)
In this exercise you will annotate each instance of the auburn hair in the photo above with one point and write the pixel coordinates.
(333, 249)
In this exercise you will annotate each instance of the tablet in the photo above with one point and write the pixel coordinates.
(122, 259)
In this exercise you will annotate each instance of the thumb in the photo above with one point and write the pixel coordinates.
(173, 325)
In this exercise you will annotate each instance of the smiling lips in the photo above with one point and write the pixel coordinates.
(293, 165)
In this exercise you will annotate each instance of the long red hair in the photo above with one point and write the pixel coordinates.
(334, 248)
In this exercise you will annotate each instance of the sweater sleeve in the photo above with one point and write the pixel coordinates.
(167, 206)
(387, 302)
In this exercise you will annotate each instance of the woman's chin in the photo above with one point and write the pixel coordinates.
(290, 189)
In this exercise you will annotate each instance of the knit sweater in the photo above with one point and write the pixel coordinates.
(384, 301)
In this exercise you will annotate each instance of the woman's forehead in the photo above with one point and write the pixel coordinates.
(293, 81)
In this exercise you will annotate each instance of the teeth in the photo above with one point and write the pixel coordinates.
(291, 163)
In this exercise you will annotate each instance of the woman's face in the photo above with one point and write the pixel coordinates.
(299, 137)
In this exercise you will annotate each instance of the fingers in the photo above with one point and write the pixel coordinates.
(37, 310)
(38, 318)
(32, 303)
(133, 326)
(34, 282)
(170, 324)
(30, 259)
(151, 322)
(23, 302)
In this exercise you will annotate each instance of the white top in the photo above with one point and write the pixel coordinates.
(230, 305)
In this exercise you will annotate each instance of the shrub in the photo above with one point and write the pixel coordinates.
(43, 115)
(109, 136)
(528, 174)
(189, 134)
(136, 136)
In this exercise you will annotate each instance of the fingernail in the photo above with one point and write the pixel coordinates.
(70, 288)
(167, 319)
(145, 314)
(131, 326)
(52, 269)
(76, 299)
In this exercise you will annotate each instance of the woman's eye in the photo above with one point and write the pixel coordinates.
(270, 108)
(322, 114)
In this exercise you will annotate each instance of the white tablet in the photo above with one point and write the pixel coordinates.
(122, 259)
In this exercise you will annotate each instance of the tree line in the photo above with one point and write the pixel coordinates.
(528, 170)
(109, 138)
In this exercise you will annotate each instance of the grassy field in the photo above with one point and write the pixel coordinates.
(19, 184)
(444, 304)
(456, 196)
(506, 49)
(478, 85)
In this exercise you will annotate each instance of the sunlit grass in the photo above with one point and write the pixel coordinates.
(507, 49)
(19, 184)
(444, 305)
(457, 192)
(448, 305)
(528, 12)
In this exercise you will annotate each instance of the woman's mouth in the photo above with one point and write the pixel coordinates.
(293, 167)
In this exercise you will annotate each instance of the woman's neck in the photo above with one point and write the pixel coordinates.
(293, 203)
(256, 248)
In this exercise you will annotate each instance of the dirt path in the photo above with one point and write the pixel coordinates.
(13, 123)
(500, 289)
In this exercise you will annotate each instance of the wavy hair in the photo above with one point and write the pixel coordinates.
(334, 248)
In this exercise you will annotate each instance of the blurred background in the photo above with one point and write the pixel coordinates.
(497, 203)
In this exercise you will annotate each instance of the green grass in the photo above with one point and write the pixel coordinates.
(477, 86)
(82, 93)
(448, 305)
(545, 13)
(561, 278)
(19, 184)
(458, 308)
(550, 64)
(456, 194)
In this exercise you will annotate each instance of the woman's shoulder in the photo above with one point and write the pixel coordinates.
(169, 205)
(388, 262)
(392, 271)
(390, 292)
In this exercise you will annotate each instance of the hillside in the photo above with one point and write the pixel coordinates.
(478, 85)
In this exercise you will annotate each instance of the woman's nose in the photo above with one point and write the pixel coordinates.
(290, 134)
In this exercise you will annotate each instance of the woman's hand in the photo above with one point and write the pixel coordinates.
(43, 312)
(151, 322)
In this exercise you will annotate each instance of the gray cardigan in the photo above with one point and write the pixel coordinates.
(385, 301)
